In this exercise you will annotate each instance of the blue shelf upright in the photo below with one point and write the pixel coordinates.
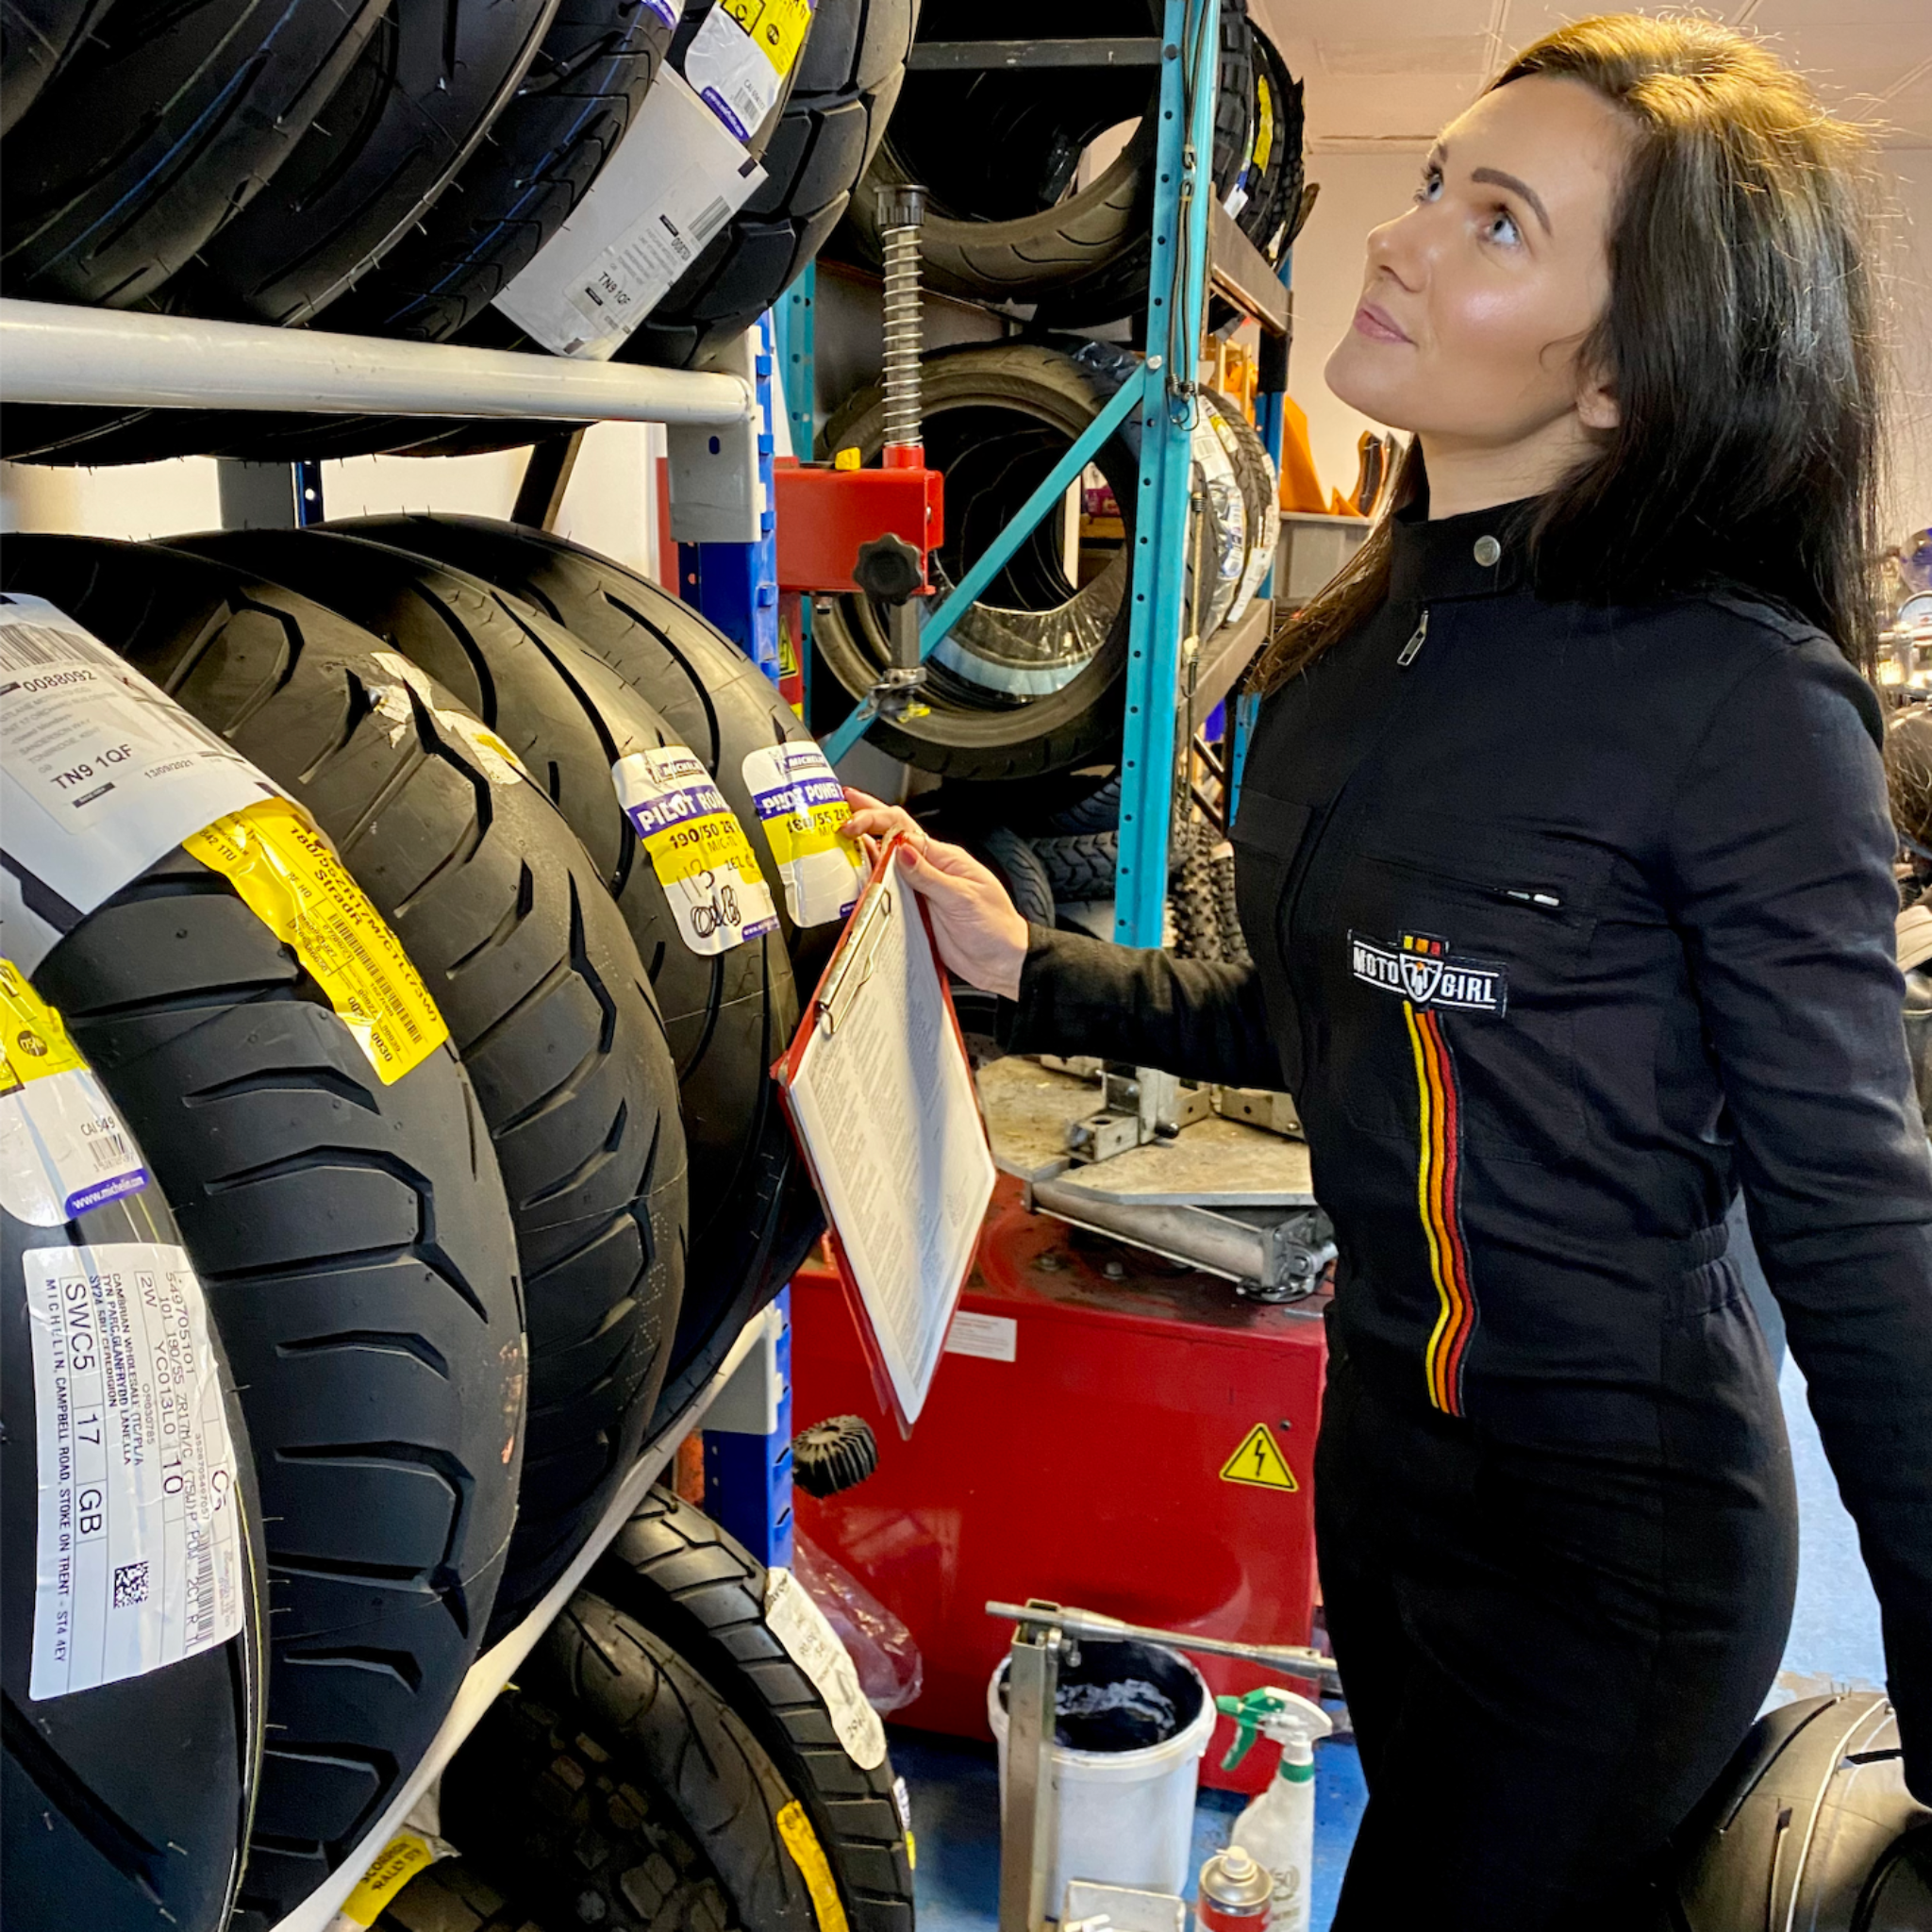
(736, 585)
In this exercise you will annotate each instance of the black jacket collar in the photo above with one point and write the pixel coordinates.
(1478, 553)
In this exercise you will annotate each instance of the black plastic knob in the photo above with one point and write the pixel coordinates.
(890, 569)
(834, 1455)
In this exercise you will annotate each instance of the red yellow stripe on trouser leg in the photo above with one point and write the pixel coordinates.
(1437, 1185)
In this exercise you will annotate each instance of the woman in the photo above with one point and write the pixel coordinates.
(1563, 856)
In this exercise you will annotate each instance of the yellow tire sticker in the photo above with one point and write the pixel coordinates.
(1259, 1462)
(33, 1042)
(794, 1827)
(63, 1148)
(289, 878)
(403, 1858)
(777, 27)
(802, 805)
(697, 848)
(1264, 136)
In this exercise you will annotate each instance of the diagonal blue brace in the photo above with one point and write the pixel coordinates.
(973, 586)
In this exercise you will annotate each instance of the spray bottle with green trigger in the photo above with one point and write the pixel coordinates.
(1277, 1830)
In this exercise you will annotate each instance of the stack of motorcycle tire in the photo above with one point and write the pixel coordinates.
(999, 149)
(1023, 699)
(388, 1155)
(391, 167)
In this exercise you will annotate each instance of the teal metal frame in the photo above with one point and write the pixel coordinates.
(1176, 289)
(1166, 398)
(794, 329)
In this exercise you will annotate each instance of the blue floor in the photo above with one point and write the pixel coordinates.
(955, 1784)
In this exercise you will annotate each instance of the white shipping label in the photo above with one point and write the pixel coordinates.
(802, 805)
(100, 771)
(140, 1554)
(992, 1338)
(697, 848)
(813, 1645)
(739, 56)
(676, 180)
(63, 1149)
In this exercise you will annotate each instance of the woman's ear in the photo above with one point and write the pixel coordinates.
(1596, 404)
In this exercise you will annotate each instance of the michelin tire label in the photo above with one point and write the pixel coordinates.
(139, 1559)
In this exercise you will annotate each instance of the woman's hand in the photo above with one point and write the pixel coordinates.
(979, 930)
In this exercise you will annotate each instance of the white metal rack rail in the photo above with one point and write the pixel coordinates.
(52, 354)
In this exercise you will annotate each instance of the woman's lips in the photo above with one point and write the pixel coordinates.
(1374, 324)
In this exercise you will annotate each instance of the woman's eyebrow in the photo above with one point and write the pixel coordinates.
(1496, 179)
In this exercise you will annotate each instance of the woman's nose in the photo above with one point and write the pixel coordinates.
(1396, 249)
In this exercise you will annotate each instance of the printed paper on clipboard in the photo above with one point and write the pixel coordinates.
(882, 1099)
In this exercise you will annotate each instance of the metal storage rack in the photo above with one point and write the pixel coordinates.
(720, 434)
(1195, 242)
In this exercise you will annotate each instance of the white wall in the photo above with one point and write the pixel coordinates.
(609, 504)
(1360, 190)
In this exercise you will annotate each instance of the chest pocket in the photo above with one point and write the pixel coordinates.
(1268, 835)
(1459, 952)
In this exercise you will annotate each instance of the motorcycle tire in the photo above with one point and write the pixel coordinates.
(569, 717)
(679, 1575)
(714, 701)
(615, 1777)
(356, 1250)
(202, 103)
(95, 1834)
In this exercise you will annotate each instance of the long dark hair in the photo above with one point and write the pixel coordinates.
(1739, 340)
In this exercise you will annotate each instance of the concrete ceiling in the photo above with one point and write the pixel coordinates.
(1384, 75)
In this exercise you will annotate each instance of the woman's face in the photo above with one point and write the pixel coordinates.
(1477, 299)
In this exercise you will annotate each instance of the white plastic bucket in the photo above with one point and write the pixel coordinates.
(1126, 1817)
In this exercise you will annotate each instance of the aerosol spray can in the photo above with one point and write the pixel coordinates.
(1234, 1893)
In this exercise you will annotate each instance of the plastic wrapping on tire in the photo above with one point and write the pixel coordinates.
(891, 1671)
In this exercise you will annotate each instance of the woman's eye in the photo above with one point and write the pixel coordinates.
(1432, 185)
(1502, 227)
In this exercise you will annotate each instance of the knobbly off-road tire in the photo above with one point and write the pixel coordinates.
(677, 1573)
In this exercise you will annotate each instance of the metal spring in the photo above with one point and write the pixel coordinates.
(904, 407)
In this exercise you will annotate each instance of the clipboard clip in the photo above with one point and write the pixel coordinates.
(853, 970)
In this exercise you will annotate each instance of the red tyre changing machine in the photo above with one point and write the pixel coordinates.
(1104, 1429)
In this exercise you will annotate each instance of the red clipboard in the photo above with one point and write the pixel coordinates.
(845, 979)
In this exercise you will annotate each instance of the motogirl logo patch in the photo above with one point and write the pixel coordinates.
(1420, 969)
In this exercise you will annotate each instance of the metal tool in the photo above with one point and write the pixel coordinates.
(1137, 1105)
(890, 570)
(902, 213)
(1030, 1809)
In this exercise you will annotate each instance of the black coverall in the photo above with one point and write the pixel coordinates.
(1568, 920)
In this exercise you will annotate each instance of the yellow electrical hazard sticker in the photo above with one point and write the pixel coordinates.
(400, 1861)
(776, 27)
(289, 878)
(33, 1043)
(1259, 1462)
(794, 1827)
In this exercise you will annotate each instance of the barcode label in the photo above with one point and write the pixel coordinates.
(100, 771)
(34, 647)
(138, 1561)
(673, 184)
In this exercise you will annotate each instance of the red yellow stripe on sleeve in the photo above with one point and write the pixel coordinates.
(1438, 1185)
